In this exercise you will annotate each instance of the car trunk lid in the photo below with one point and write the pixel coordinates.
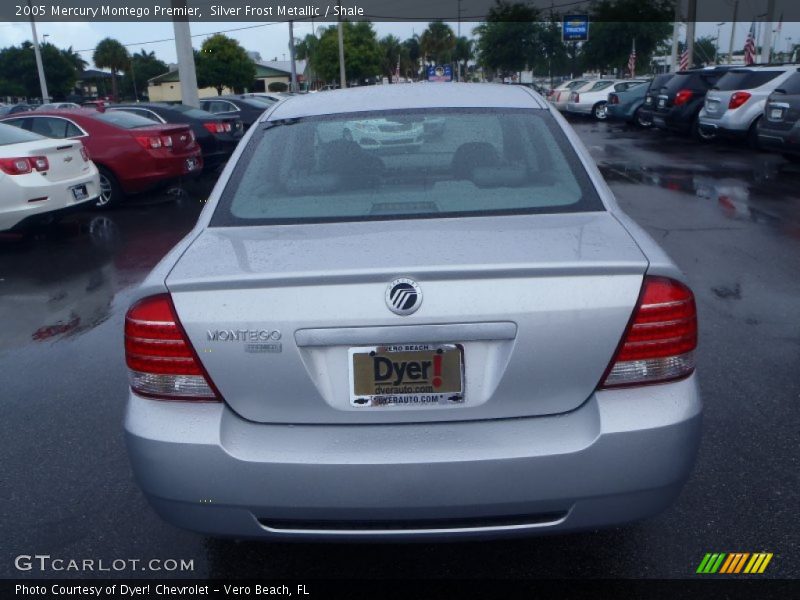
(63, 156)
(538, 304)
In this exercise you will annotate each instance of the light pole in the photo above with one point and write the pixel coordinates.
(39, 65)
(716, 44)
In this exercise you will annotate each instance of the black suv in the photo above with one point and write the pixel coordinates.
(645, 115)
(679, 101)
(780, 128)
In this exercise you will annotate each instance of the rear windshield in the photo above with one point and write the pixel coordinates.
(123, 119)
(14, 135)
(791, 85)
(406, 164)
(258, 102)
(695, 81)
(660, 81)
(574, 84)
(600, 85)
(191, 112)
(745, 80)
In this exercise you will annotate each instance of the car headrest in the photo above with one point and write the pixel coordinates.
(472, 155)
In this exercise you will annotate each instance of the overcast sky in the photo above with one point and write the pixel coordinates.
(269, 39)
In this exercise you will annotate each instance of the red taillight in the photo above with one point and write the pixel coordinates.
(227, 127)
(24, 165)
(161, 361)
(738, 99)
(682, 97)
(149, 142)
(214, 127)
(575, 97)
(660, 340)
(167, 141)
(84, 154)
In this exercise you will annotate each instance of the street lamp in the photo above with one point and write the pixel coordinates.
(716, 43)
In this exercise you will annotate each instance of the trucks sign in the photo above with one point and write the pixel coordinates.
(575, 28)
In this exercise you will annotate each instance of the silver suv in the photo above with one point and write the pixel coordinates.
(735, 104)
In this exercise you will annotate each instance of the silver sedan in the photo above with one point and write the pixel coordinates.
(464, 339)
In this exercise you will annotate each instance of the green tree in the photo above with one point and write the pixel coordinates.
(705, 51)
(222, 63)
(437, 43)
(615, 26)
(111, 54)
(20, 77)
(409, 60)
(362, 53)
(143, 66)
(391, 54)
(508, 38)
(463, 52)
(75, 59)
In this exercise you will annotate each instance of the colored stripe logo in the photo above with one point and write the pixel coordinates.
(734, 563)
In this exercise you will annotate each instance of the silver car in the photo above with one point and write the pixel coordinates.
(735, 104)
(468, 339)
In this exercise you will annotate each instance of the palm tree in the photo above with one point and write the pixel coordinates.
(463, 52)
(437, 42)
(111, 54)
(412, 52)
(391, 49)
(75, 59)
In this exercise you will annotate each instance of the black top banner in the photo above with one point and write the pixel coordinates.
(375, 10)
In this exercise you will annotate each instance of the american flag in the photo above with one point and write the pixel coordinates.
(750, 46)
(632, 60)
(684, 63)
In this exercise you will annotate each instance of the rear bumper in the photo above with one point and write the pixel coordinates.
(787, 140)
(720, 129)
(35, 201)
(162, 171)
(579, 109)
(671, 122)
(622, 456)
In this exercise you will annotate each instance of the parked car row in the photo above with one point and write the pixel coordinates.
(759, 104)
(134, 147)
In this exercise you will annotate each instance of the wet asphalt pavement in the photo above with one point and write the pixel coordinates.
(730, 218)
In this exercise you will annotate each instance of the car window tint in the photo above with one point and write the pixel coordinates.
(51, 127)
(407, 164)
(21, 123)
(600, 85)
(745, 80)
(15, 135)
(73, 130)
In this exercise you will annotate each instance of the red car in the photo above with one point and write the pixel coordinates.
(132, 153)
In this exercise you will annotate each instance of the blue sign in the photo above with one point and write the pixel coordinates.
(440, 73)
(575, 28)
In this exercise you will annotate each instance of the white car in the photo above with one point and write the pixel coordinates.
(42, 178)
(591, 99)
(385, 133)
(560, 95)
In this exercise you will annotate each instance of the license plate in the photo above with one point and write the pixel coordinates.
(79, 192)
(776, 114)
(415, 375)
(191, 164)
(662, 103)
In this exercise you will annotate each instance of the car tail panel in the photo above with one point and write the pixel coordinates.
(537, 321)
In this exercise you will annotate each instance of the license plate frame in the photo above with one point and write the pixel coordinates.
(776, 114)
(406, 386)
(192, 164)
(662, 102)
(79, 192)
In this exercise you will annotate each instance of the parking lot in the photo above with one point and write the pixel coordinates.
(730, 218)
